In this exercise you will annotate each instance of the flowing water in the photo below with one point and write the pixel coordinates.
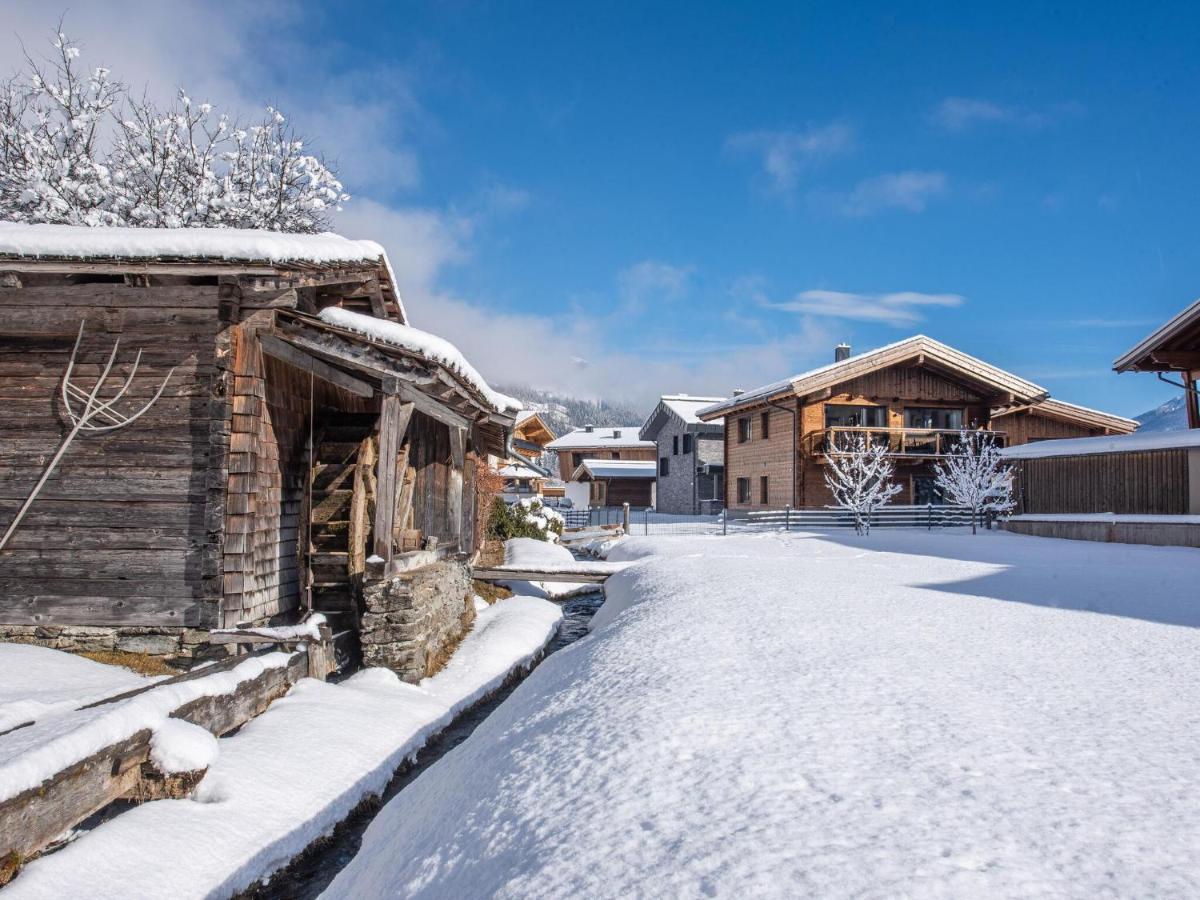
(312, 871)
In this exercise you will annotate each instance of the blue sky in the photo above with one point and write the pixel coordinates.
(631, 199)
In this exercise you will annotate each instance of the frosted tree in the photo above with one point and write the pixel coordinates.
(974, 476)
(860, 477)
(52, 122)
(76, 149)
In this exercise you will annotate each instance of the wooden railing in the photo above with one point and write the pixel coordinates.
(918, 442)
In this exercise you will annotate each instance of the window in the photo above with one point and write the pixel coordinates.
(664, 464)
(932, 417)
(576, 460)
(674, 445)
(743, 429)
(762, 490)
(687, 444)
(743, 490)
(766, 425)
(844, 416)
(616, 454)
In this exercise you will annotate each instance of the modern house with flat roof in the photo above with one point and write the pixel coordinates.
(914, 396)
(690, 475)
(592, 442)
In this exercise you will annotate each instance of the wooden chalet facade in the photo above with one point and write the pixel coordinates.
(593, 442)
(1172, 350)
(914, 396)
(307, 442)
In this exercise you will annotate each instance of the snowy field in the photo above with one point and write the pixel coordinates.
(909, 714)
(288, 776)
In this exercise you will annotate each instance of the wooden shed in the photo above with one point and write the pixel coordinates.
(305, 427)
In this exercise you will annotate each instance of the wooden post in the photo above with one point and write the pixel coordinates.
(458, 451)
(625, 517)
(394, 417)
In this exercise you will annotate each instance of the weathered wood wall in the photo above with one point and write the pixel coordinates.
(1150, 482)
(123, 533)
(267, 468)
(429, 453)
(1023, 427)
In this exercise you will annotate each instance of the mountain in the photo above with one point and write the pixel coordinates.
(1171, 416)
(563, 413)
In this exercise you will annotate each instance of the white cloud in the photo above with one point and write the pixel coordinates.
(785, 155)
(651, 281)
(899, 308)
(909, 191)
(958, 114)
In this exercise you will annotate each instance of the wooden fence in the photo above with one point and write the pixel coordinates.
(1149, 482)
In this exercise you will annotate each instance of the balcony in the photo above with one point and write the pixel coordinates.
(908, 443)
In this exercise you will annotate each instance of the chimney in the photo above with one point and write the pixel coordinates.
(617, 433)
(840, 352)
(737, 392)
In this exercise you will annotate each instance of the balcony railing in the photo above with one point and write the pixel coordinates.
(907, 442)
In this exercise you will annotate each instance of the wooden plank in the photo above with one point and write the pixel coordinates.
(360, 502)
(294, 356)
(429, 406)
(519, 573)
(394, 417)
(454, 485)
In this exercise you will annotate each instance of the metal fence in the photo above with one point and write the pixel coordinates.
(651, 522)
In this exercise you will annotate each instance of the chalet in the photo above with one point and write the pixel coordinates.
(523, 472)
(593, 442)
(303, 447)
(691, 456)
(914, 395)
(1137, 488)
(615, 482)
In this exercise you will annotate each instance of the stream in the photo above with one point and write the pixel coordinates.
(311, 872)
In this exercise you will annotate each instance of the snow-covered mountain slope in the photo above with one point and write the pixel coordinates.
(1170, 416)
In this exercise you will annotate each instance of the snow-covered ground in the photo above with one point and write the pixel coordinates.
(37, 683)
(534, 554)
(288, 776)
(907, 714)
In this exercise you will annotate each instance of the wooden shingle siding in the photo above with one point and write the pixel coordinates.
(1153, 482)
(119, 533)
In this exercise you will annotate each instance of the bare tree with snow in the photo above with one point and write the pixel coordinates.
(974, 476)
(860, 477)
(75, 148)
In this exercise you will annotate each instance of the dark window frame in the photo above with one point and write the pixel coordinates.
(764, 490)
(674, 445)
(765, 425)
(664, 467)
(743, 490)
(743, 430)
(688, 444)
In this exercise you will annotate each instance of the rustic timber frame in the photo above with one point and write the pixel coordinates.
(196, 516)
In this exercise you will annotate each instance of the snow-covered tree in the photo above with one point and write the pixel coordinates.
(860, 477)
(75, 148)
(974, 475)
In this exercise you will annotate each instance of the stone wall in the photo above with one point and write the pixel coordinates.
(412, 620)
(181, 646)
(680, 490)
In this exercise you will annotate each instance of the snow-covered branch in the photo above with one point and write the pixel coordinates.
(860, 477)
(974, 476)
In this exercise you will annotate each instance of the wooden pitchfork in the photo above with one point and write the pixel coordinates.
(94, 410)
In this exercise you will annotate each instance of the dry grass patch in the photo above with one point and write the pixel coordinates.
(491, 592)
(142, 663)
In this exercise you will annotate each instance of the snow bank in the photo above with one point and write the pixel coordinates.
(1121, 443)
(430, 346)
(908, 714)
(532, 553)
(78, 242)
(30, 755)
(37, 683)
(289, 776)
(1114, 518)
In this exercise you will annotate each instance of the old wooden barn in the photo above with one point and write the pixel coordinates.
(310, 450)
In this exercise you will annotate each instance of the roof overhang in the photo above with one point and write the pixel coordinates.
(592, 469)
(1072, 414)
(1174, 347)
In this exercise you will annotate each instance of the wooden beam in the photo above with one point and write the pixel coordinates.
(294, 356)
(458, 442)
(1178, 359)
(394, 417)
(426, 404)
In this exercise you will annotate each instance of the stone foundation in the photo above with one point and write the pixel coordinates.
(175, 645)
(411, 620)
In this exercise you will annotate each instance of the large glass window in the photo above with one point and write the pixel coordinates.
(844, 416)
(743, 490)
(932, 417)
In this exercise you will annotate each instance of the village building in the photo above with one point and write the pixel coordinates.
(523, 472)
(1138, 488)
(914, 396)
(629, 485)
(690, 475)
(303, 447)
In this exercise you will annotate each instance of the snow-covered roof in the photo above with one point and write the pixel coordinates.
(616, 468)
(684, 407)
(1073, 412)
(1136, 357)
(231, 244)
(427, 345)
(840, 371)
(516, 470)
(581, 438)
(1122, 443)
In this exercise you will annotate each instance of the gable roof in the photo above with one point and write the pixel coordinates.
(531, 418)
(1075, 414)
(681, 406)
(581, 438)
(243, 246)
(917, 347)
(1184, 329)
(615, 468)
